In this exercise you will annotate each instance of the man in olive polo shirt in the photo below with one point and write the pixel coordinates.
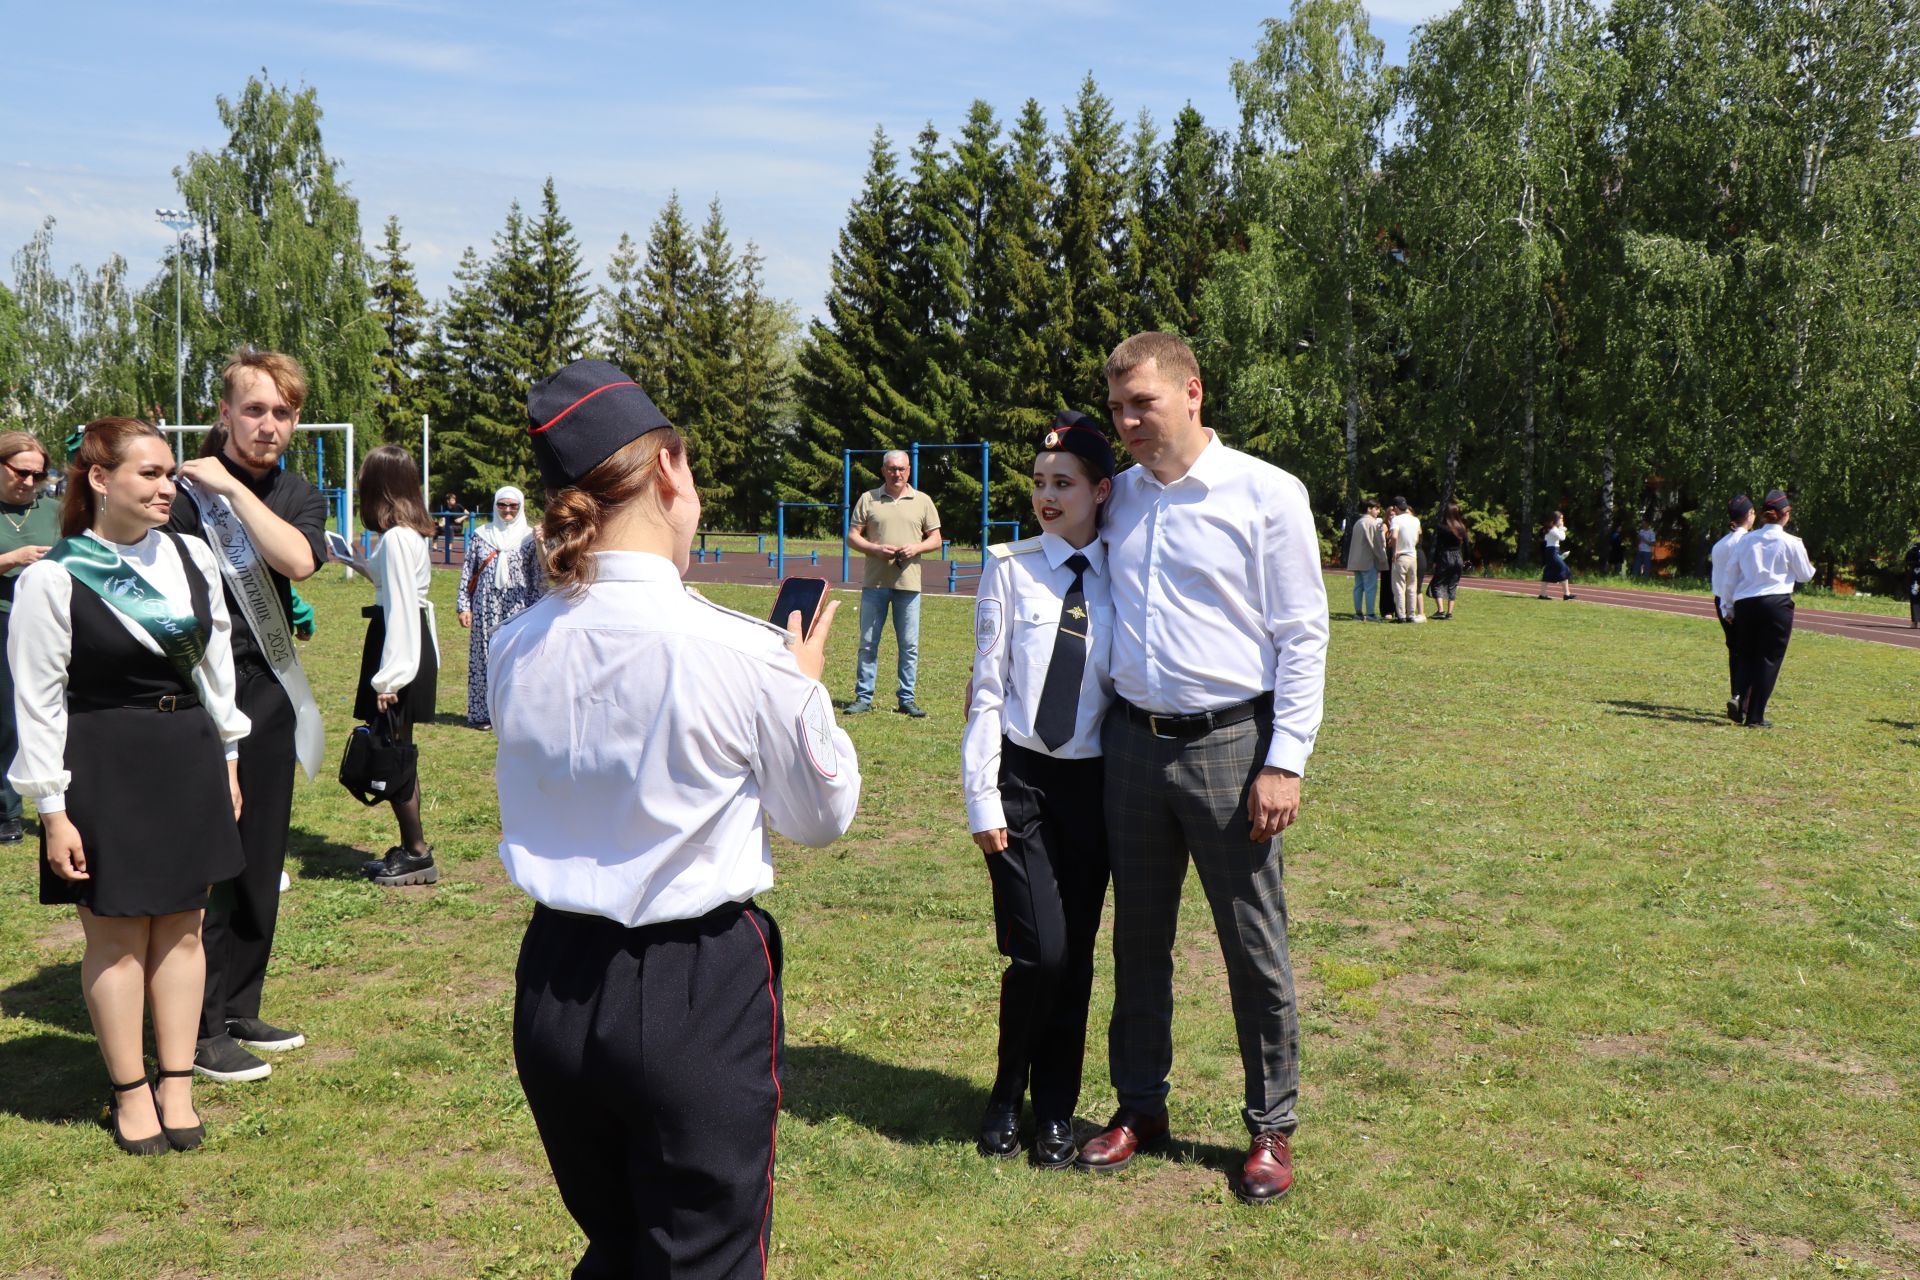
(892, 526)
(29, 526)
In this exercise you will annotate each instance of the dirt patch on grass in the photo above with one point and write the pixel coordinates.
(1616, 1048)
(62, 935)
(1761, 1246)
(1857, 1075)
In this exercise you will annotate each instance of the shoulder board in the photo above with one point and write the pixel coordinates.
(1001, 550)
(735, 613)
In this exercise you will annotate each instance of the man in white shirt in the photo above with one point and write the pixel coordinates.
(1739, 523)
(1219, 664)
(1403, 543)
(1763, 568)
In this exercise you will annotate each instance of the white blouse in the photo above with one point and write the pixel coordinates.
(40, 645)
(647, 742)
(1016, 618)
(402, 569)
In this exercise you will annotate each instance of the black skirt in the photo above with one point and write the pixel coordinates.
(417, 699)
(149, 797)
(1556, 569)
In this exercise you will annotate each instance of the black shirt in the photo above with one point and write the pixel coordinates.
(294, 499)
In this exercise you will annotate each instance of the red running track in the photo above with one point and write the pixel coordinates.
(1876, 628)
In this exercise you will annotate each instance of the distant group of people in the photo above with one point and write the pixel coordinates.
(1391, 547)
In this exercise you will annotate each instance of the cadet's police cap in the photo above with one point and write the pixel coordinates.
(1081, 436)
(1777, 501)
(1738, 508)
(583, 415)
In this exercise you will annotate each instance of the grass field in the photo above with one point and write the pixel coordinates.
(1593, 984)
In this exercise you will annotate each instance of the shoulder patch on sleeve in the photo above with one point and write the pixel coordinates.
(1001, 550)
(988, 622)
(816, 733)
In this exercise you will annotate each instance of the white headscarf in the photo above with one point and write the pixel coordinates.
(505, 535)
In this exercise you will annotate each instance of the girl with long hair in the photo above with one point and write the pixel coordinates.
(120, 647)
(400, 661)
(1556, 568)
(1449, 561)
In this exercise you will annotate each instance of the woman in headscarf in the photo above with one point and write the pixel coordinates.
(502, 577)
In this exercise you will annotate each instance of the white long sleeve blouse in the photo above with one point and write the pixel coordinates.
(402, 569)
(40, 646)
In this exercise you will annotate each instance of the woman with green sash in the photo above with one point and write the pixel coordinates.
(121, 653)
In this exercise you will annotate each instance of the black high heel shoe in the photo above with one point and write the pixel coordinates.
(156, 1145)
(179, 1139)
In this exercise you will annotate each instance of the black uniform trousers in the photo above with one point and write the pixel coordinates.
(1762, 625)
(1733, 650)
(238, 940)
(10, 806)
(651, 1060)
(1048, 888)
(1168, 800)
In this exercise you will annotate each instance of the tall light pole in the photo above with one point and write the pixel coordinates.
(178, 220)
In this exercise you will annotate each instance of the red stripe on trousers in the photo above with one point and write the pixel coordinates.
(773, 1070)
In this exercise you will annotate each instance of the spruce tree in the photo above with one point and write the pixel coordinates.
(558, 329)
(621, 334)
(761, 384)
(403, 318)
(1089, 216)
(710, 412)
(662, 362)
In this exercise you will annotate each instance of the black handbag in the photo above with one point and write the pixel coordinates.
(378, 766)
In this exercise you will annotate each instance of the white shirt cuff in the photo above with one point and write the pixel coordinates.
(55, 803)
(1289, 754)
(986, 814)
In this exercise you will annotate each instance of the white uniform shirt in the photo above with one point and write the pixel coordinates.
(402, 570)
(1016, 618)
(40, 645)
(1721, 558)
(1217, 594)
(1556, 535)
(645, 737)
(1767, 562)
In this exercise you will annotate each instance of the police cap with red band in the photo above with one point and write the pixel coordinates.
(583, 415)
(1081, 436)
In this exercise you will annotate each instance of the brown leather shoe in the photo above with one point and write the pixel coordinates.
(1114, 1147)
(1268, 1173)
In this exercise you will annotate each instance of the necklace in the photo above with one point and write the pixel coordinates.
(20, 524)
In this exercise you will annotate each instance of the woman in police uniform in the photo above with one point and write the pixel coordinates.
(1032, 771)
(646, 737)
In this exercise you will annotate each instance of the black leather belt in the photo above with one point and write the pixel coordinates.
(1200, 723)
(165, 702)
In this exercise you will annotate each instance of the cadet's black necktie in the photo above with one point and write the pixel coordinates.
(1060, 695)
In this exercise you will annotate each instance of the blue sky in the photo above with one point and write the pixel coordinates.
(444, 112)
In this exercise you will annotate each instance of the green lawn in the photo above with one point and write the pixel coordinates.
(1594, 984)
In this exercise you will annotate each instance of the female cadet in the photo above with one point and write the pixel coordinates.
(502, 576)
(1761, 572)
(122, 663)
(645, 738)
(1556, 568)
(1032, 771)
(400, 661)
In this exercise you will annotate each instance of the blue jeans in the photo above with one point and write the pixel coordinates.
(1642, 564)
(906, 633)
(1366, 593)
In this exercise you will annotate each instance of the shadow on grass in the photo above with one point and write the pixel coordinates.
(322, 859)
(50, 997)
(918, 1105)
(1660, 711)
(1906, 726)
(52, 1077)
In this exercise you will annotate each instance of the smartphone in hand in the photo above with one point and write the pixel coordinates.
(802, 596)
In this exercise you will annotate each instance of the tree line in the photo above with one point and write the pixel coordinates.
(1619, 260)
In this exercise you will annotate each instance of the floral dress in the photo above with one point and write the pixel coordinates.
(493, 605)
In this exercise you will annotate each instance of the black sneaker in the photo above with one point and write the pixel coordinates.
(402, 867)
(256, 1034)
(10, 831)
(221, 1058)
(911, 709)
(1733, 710)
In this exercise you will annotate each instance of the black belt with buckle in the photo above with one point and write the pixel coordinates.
(164, 702)
(1200, 723)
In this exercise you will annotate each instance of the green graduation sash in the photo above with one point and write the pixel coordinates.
(99, 568)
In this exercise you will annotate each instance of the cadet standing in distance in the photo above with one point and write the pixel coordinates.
(1739, 524)
(1764, 567)
(646, 737)
(1042, 624)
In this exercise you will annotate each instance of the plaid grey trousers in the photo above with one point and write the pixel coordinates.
(1166, 799)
